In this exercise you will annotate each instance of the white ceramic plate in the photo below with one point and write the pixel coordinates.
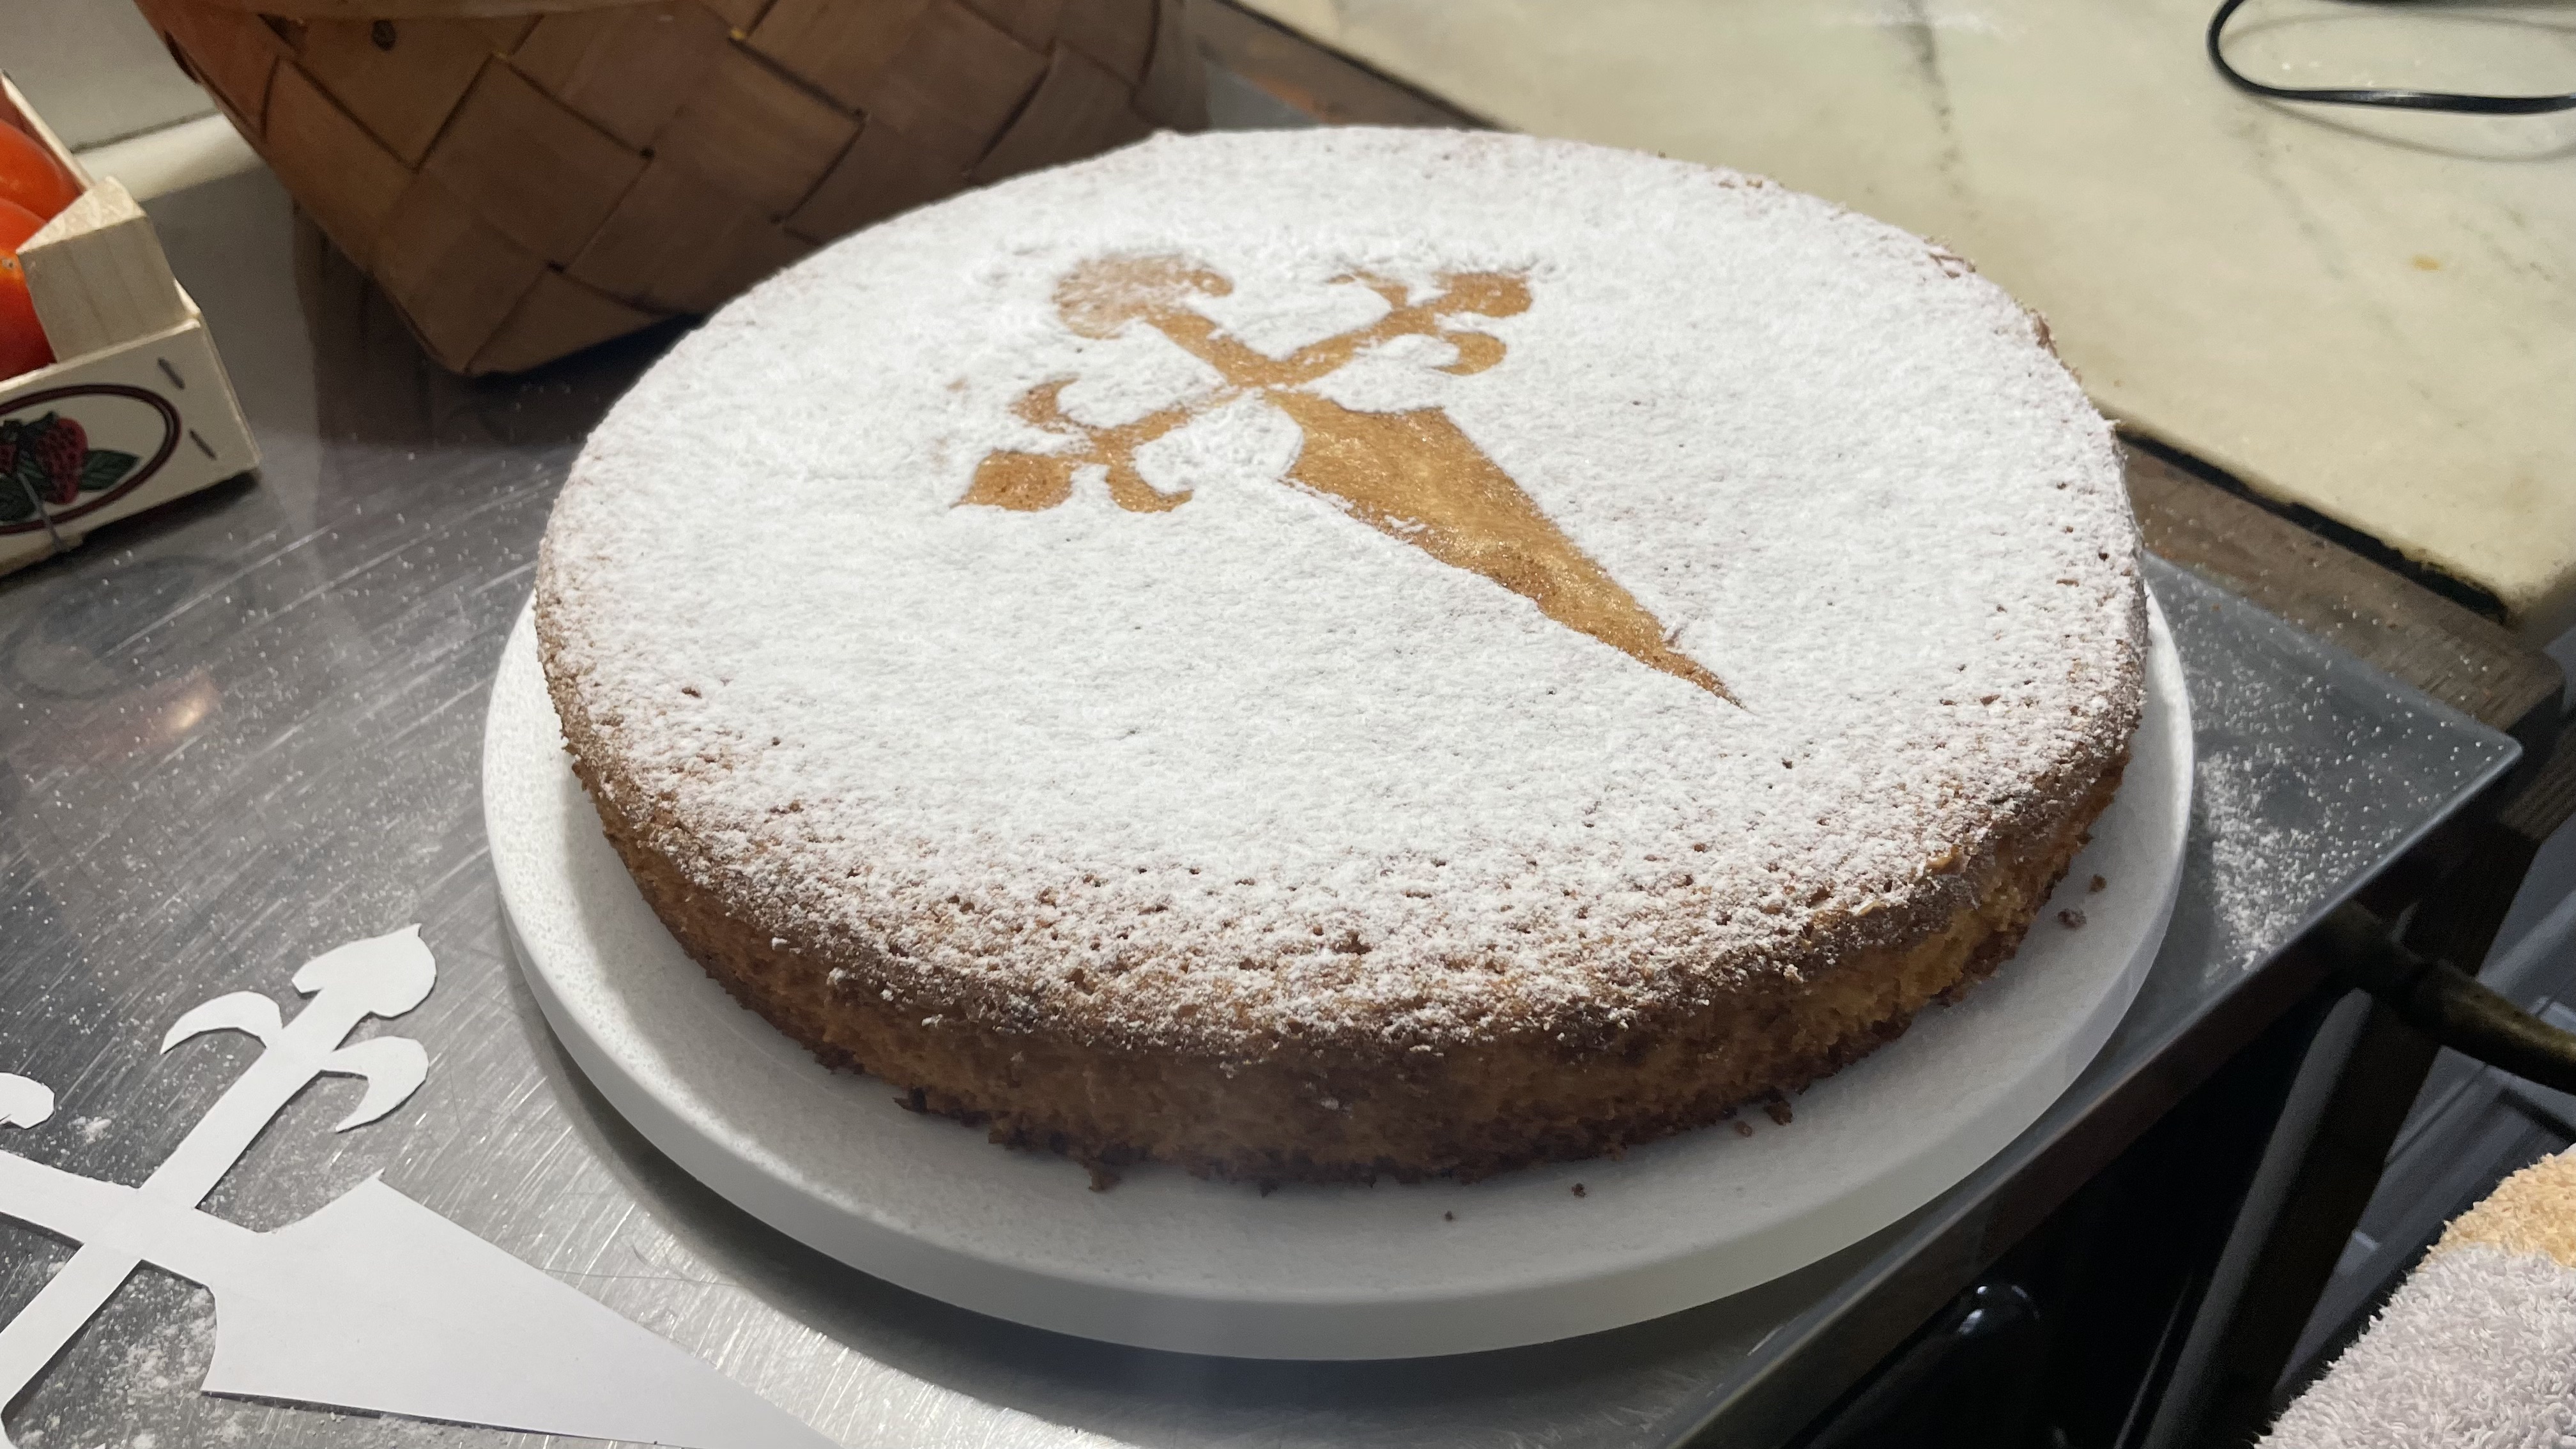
(1168, 1261)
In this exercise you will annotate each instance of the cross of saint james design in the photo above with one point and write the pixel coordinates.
(1414, 476)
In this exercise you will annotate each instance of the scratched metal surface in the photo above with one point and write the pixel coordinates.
(247, 729)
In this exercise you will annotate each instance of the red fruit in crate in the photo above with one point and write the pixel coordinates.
(59, 447)
(17, 223)
(31, 177)
(22, 338)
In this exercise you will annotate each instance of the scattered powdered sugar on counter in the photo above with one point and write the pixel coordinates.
(140, 1365)
(1252, 765)
(2300, 783)
(2269, 868)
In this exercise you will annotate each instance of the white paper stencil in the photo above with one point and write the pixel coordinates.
(374, 1302)
(1168, 1261)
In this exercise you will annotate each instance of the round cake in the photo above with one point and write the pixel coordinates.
(1351, 652)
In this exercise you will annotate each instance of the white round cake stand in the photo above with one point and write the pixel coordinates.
(1167, 1261)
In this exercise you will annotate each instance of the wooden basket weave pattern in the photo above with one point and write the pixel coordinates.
(526, 185)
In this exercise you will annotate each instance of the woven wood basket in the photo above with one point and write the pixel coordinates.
(525, 178)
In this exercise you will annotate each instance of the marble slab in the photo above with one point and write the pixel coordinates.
(2368, 313)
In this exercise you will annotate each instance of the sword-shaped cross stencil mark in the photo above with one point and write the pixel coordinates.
(1414, 476)
(375, 1302)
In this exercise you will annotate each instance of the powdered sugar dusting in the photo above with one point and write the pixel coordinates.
(1250, 769)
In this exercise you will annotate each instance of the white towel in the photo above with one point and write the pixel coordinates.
(2478, 1349)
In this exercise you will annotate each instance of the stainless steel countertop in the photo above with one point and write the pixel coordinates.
(248, 728)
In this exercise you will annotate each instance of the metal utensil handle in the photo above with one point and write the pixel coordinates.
(2447, 1004)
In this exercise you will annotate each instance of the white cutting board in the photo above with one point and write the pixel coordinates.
(1168, 1261)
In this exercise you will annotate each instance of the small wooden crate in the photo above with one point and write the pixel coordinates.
(135, 409)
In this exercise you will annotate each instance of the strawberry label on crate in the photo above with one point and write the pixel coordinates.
(72, 450)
